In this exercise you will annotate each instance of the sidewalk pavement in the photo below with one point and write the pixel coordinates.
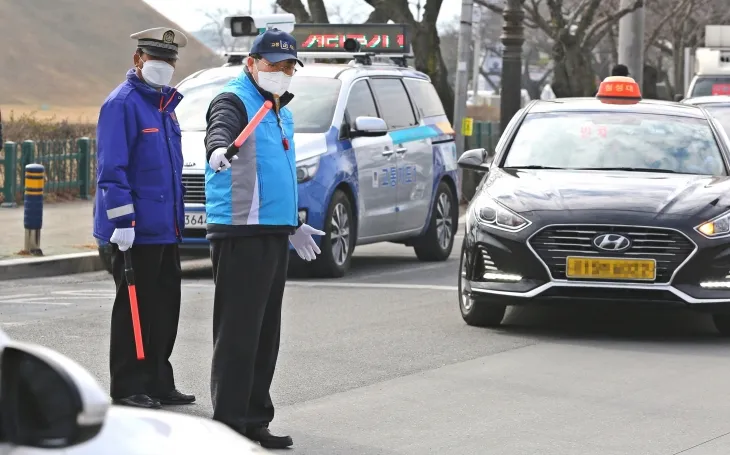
(67, 228)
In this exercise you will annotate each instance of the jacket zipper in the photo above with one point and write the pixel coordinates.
(294, 175)
(172, 164)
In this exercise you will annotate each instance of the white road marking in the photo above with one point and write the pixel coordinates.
(418, 268)
(319, 284)
(62, 298)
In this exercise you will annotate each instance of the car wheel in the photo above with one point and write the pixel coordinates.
(338, 242)
(477, 312)
(722, 323)
(106, 254)
(437, 243)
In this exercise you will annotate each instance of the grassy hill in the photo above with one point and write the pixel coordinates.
(72, 53)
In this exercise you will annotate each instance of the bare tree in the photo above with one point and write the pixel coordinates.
(216, 26)
(575, 28)
(317, 12)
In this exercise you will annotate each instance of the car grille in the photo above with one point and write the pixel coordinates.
(194, 188)
(669, 248)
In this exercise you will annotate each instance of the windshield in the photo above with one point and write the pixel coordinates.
(708, 86)
(606, 140)
(313, 106)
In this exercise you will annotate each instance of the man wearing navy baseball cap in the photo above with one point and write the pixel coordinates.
(252, 211)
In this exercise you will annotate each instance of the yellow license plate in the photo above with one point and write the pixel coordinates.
(610, 269)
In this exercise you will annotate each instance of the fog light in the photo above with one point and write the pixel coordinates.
(715, 284)
(303, 216)
(492, 276)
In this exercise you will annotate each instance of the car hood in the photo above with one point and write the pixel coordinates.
(131, 431)
(307, 145)
(650, 193)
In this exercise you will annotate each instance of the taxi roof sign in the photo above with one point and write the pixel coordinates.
(619, 90)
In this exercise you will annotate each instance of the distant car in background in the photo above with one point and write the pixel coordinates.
(717, 105)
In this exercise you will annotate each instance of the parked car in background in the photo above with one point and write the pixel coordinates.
(718, 106)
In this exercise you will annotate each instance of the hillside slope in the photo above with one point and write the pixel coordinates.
(74, 52)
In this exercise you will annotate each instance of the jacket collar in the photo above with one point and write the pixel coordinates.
(165, 99)
(283, 99)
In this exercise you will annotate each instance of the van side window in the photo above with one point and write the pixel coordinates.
(360, 103)
(394, 103)
(425, 98)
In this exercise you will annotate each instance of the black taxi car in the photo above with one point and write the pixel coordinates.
(612, 198)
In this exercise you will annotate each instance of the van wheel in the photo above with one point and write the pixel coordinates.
(338, 242)
(437, 243)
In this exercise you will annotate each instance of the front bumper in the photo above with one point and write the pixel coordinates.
(529, 267)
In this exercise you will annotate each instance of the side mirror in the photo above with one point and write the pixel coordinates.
(48, 400)
(678, 97)
(475, 160)
(369, 127)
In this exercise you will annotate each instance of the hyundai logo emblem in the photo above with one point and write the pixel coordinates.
(612, 242)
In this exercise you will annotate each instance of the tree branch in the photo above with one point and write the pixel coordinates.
(295, 7)
(319, 12)
(600, 27)
(663, 22)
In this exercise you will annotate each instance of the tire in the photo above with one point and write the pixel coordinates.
(722, 323)
(338, 242)
(107, 257)
(438, 241)
(477, 312)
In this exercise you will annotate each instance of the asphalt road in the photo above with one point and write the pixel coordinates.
(380, 362)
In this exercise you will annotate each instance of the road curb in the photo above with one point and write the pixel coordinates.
(63, 264)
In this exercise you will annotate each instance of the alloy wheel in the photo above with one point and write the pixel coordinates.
(340, 234)
(444, 222)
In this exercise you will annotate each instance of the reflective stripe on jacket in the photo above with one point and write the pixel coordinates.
(139, 164)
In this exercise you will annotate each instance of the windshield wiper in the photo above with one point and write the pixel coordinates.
(629, 169)
(532, 167)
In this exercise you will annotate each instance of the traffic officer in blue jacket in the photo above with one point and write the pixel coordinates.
(252, 216)
(139, 206)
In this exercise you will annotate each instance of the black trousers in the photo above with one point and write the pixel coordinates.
(157, 277)
(249, 274)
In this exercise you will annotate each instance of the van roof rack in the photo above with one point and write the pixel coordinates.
(362, 58)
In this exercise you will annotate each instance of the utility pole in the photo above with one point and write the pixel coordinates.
(513, 35)
(462, 76)
(631, 41)
(477, 54)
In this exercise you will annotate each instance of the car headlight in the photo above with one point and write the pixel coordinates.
(716, 227)
(491, 213)
(307, 168)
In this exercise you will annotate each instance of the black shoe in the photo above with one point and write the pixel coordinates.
(263, 436)
(175, 397)
(138, 401)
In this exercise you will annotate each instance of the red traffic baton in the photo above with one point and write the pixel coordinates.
(233, 148)
(129, 274)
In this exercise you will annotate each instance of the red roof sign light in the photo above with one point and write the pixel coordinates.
(619, 90)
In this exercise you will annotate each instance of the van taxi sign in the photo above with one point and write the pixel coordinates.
(619, 90)
(377, 38)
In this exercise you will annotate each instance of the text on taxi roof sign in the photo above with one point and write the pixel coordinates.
(377, 38)
(619, 90)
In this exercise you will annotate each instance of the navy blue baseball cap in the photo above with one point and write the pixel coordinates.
(276, 46)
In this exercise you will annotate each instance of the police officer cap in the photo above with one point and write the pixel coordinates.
(160, 42)
(276, 46)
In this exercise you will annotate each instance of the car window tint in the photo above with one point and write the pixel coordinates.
(707, 86)
(394, 103)
(572, 140)
(425, 97)
(360, 103)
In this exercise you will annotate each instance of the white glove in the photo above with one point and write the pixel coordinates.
(303, 242)
(218, 159)
(123, 237)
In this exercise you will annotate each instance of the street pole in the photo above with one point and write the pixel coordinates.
(512, 38)
(462, 76)
(477, 55)
(631, 41)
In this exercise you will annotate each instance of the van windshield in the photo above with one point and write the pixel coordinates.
(711, 85)
(313, 105)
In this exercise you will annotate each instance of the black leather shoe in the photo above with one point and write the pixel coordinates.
(138, 401)
(263, 436)
(175, 397)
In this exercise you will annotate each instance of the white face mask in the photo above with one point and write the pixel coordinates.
(157, 73)
(275, 83)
